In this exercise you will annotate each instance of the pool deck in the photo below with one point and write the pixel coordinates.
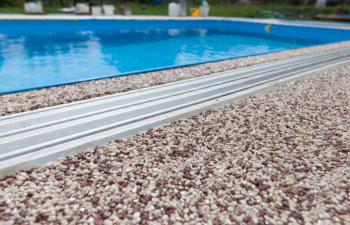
(280, 157)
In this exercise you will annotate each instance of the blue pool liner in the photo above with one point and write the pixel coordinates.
(314, 34)
(321, 34)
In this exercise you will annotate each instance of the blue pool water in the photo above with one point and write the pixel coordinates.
(36, 54)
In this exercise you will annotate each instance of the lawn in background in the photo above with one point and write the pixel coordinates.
(252, 11)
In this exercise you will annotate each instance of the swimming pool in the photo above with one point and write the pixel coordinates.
(36, 54)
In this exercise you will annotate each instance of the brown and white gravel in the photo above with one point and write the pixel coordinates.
(282, 157)
(30, 100)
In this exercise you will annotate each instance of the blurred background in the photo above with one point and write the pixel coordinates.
(280, 9)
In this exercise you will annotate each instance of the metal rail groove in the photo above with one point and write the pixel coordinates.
(42, 135)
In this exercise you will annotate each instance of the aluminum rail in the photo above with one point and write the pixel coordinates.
(39, 136)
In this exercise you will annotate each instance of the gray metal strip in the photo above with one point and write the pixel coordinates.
(94, 107)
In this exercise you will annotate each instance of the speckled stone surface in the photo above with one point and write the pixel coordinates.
(30, 100)
(281, 157)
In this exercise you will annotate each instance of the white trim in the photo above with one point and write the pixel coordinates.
(142, 17)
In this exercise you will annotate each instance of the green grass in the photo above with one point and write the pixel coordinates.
(252, 11)
(150, 10)
(21, 9)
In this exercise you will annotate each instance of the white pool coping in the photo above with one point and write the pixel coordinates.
(162, 17)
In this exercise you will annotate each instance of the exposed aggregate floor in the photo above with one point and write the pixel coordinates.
(30, 100)
(280, 157)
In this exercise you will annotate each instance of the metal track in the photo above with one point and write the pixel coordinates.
(43, 135)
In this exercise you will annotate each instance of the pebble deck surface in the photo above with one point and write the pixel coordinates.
(280, 157)
(30, 100)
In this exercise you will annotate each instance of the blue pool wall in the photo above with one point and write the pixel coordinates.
(318, 34)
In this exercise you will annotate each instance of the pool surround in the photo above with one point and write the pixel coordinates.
(277, 157)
